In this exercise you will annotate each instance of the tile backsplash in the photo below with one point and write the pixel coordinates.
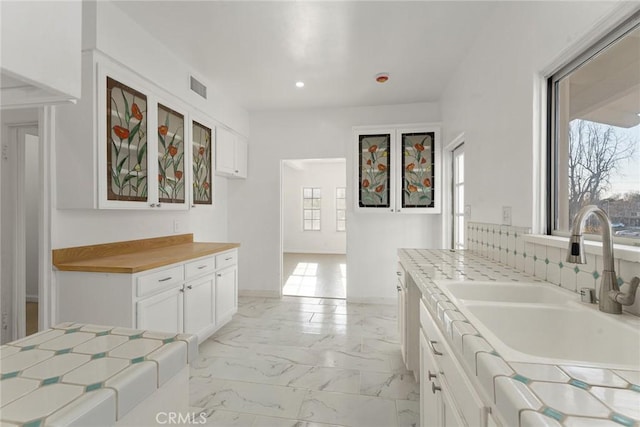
(508, 245)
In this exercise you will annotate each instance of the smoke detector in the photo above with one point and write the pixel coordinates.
(382, 77)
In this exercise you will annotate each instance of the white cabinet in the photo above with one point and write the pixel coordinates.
(226, 285)
(231, 154)
(448, 397)
(199, 305)
(161, 312)
(402, 312)
(197, 296)
(398, 169)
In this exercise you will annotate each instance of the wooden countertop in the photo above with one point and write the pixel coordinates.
(135, 255)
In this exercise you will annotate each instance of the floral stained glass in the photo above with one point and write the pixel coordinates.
(127, 143)
(374, 161)
(170, 155)
(417, 170)
(201, 164)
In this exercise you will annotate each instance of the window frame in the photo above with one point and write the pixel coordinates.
(552, 165)
(312, 209)
(338, 220)
(456, 185)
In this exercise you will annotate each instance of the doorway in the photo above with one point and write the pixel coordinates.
(314, 228)
(21, 202)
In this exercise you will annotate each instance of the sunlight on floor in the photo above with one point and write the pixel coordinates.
(315, 276)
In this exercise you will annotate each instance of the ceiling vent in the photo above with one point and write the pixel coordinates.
(198, 87)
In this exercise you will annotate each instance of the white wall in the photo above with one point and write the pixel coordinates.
(324, 175)
(41, 43)
(496, 94)
(372, 238)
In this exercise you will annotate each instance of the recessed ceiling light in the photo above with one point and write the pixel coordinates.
(299, 84)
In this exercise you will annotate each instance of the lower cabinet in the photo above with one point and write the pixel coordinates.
(447, 396)
(197, 296)
(226, 293)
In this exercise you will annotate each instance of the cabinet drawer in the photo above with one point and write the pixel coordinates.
(152, 282)
(199, 266)
(226, 259)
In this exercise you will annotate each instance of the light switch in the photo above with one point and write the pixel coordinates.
(177, 226)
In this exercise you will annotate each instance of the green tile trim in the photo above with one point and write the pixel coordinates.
(535, 257)
(99, 355)
(34, 423)
(621, 419)
(595, 275)
(29, 347)
(168, 340)
(9, 375)
(576, 269)
(550, 412)
(560, 264)
(101, 334)
(635, 387)
(135, 337)
(52, 380)
(620, 281)
(521, 378)
(72, 331)
(579, 384)
(137, 360)
(546, 261)
(94, 386)
(63, 351)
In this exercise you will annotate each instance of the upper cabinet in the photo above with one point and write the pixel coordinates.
(231, 155)
(130, 145)
(398, 169)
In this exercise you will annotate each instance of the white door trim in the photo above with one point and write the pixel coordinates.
(447, 201)
(47, 313)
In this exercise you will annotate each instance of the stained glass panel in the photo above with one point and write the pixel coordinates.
(374, 161)
(201, 164)
(170, 155)
(417, 170)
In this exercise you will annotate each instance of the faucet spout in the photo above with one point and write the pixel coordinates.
(610, 299)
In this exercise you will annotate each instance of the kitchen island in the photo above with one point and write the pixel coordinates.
(81, 374)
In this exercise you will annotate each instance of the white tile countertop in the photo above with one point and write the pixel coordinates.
(525, 394)
(86, 372)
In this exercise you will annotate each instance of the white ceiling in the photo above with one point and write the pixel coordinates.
(254, 52)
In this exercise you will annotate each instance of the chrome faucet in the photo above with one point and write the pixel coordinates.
(611, 297)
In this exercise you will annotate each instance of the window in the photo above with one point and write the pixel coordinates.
(458, 197)
(341, 209)
(594, 105)
(311, 209)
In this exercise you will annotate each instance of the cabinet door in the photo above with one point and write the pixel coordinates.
(375, 163)
(225, 152)
(418, 184)
(202, 142)
(198, 305)
(402, 320)
(450, 415)
(430, 395)
(162, 312)
(171, 158)
(226, 301)
(241, 158)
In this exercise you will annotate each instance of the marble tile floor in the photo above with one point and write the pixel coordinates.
(315, 275)
(305, 362)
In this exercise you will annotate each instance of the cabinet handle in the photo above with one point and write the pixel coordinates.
(228, 259)
(165, 279)
(398, 288)
(158, 205)
(219, 274)
(153, 205)
(433, 349)
(201, 267)
(190, 287)
(435, 388)
(431, 376)
(237, 171)
(399, 273)
(193, 206)
(391, 210)
(181, 289)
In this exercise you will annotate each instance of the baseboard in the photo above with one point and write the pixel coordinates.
(372, 300)
(258, 293)
(304, 252)
(32, 298)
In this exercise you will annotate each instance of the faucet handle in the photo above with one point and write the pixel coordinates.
(626, 298)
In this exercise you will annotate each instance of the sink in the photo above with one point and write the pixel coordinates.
(508, 292)
(570, 333)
